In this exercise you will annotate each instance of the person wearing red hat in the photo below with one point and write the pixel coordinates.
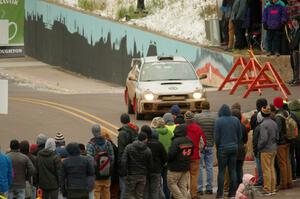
(283, 146)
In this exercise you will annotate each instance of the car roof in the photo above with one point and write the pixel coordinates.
(162, 58)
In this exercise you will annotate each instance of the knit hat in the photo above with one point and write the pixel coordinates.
(142, 136)
(41, 139)
(124, 118)
(236, 105)
(265, 111)
(261, 102)
(96, 130)
(59, 138)
(168, 118)
(157, 122)
(14, 145)
(278, 102)
(50, 144)
(33, 148)
(175, 109)
(189, 115)
(205, 105)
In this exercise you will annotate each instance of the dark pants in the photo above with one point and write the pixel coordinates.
(274, 40)
(239, 171)
(134, 186)
(295, 64)
(77, 194)
(239, 32)
(152, 188)
(297, 154)
(227, 158)
(50, 194)
(164, 173)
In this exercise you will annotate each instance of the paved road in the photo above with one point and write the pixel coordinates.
(32, 111)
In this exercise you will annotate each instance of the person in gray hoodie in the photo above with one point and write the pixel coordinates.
(267, 146)
(227, 132)
(48, 166)
(22, 167)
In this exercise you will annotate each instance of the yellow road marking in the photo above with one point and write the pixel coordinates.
(74, 109)
(39, 102)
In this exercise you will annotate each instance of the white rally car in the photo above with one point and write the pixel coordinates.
(156, 83)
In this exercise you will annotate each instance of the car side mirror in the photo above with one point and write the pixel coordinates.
(132, 78)
(202, 76)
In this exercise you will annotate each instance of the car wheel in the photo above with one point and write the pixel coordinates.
(138, 116)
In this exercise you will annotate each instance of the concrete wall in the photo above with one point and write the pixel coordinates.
(101, 48)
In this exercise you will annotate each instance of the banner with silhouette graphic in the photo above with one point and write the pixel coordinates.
(11, 28)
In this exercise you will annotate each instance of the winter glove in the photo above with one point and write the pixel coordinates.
(265, 26)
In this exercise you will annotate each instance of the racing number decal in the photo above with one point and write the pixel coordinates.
(186, 152)
(186, 149)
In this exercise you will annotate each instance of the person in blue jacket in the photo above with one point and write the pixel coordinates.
(5, 174)
(274, 20)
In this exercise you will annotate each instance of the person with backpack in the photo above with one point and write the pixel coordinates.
(48, 167)
(74, 173)
(6, 174)
(102, 152)
(195, 133)
(135, 165)
(127, 134)
(284, 135)
(294, 107)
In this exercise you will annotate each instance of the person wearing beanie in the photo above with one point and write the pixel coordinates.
(195, 133)
(159, 157)
(75, 173)
(261, 102)
(267, 147)
(283, 149)
(227, 134)
(6, 174)
(22, 168)
(127, 134)
(48, 167)
(169, 121)
(60, 145)
(179, 159)
(165, 135)
(176, 113)
(135, 165)
(206, 120)
(40, 141)
(95, 146)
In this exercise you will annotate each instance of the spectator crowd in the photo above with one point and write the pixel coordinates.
(270, 25)
(164, 160)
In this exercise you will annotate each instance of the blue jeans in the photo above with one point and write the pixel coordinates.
(227, 158)
(207, 157)
(259, 170)
(16, 193)
(122, 187)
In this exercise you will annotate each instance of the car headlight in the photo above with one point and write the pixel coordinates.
(197, 95)
(148, 96)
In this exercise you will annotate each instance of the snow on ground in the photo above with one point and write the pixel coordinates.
(177, 18)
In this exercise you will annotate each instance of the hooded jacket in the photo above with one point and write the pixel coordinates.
(268, 132)
(127, 134)
(227, 130)
(48, 166)
(159, 155)
(274, 15)
(22, 167)
(6, 173)
(195, 133)
(181, 150)
(245, 189)
(137, 159)
(165, 137)
(280, 121)
(75, 170)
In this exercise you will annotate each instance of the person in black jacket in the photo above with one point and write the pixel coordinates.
(294, 49)
(179, 155)
(74, 173)
(135, 165)
(159, 157)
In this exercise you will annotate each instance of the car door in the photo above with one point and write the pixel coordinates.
(133, 77)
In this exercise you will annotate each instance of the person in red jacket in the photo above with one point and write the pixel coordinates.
(197, 136)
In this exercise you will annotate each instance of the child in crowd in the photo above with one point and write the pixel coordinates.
(274, 20)
(246, 188)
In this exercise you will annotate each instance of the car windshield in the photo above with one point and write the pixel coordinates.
(167, 71)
